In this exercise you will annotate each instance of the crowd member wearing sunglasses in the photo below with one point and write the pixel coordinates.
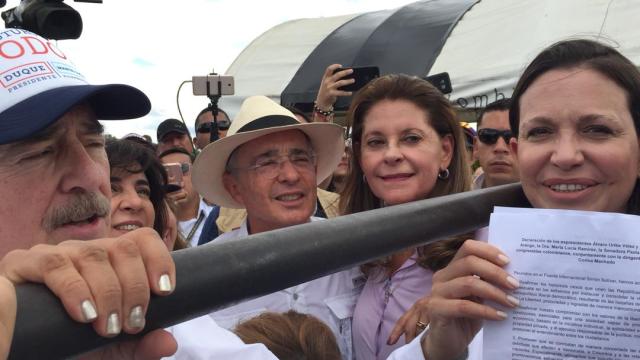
(204, 124)
(191, 209)
(491, 147)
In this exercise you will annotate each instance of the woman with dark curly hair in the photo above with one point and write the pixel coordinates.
(138, 190)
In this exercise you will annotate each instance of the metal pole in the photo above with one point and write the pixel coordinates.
(216, 275)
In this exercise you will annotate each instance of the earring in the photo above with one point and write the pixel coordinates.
(364, 179)
(443, 174)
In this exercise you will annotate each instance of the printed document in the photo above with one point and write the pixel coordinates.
(579, 292)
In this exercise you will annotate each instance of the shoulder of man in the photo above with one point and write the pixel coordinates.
(230, 219)
(330, 203)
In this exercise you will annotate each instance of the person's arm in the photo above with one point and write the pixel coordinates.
(455, 308)
(457, 305)
(412, 323)
(105, 282)
(7, 315)
(329, 92)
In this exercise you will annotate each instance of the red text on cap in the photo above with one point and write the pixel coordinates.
(12, 49)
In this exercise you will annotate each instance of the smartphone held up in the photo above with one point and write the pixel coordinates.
(213, 85)
(174, 177)
(361, 75)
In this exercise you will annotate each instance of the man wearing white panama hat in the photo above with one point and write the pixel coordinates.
(270, 164)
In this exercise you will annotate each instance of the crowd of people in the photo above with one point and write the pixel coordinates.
(98, 231)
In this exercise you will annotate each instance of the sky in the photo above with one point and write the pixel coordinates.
(155, 45)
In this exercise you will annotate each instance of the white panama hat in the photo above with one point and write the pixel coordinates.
(259, 116)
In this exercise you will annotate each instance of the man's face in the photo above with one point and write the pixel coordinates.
(289, 197)
(174, 140)
(497, 161)
(55, 186)
(203, 138)
(187, 187)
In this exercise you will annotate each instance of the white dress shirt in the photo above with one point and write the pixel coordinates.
(413, 350)
(203, 339)
(331, 299)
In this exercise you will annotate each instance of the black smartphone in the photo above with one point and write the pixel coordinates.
(362, 75)
(441, 81)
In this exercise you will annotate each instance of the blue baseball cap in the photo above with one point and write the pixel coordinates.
(38, 85)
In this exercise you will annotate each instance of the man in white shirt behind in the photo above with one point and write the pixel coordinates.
(191, 208)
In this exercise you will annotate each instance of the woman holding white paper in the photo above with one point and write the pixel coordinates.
(407, 146)
(575, 114)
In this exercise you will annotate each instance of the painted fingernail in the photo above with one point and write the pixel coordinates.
(513, 281)
(504, 259)
(113, 324)
(165, 283)
(501, 314)
(136, 318)
(513, 301)
(88, 311)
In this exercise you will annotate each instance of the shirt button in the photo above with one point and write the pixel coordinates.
(295, 296)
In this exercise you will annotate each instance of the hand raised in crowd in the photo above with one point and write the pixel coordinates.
(7, 315)
(456, 309)
(104, 282)
(412, 323)
(178, 195)
(329, 87)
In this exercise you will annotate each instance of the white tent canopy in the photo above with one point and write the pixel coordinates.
(484, 53)
(266, 66)
(493, 43)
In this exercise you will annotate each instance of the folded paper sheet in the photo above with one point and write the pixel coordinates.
(580, 285)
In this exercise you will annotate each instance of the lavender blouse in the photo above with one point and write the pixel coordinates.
(382, 302)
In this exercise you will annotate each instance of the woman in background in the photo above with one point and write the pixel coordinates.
(138, 191)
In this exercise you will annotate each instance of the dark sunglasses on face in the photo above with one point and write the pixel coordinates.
(206, 127)
(490, 136)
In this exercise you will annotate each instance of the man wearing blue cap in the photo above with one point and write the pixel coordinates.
(55, 191)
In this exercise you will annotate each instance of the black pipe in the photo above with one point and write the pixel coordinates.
(216, 275)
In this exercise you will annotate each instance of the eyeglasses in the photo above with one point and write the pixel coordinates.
(172, 168)
(206, 127)
(185, 167)
(269, 167)
(490, 136)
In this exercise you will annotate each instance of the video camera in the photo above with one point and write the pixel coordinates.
(50, 19)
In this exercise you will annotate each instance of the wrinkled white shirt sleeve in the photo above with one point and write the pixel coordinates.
(413, 350)
(203, 339)
(410, 351)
